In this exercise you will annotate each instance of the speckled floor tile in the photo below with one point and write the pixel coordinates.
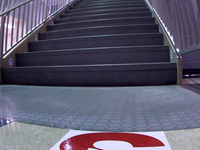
(19, 136)
(184, 139)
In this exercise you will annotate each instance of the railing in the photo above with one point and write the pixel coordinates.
(22, 18)
(162, 28)
(8, 4)
(180, 22)
(168, 40)
(181, 18)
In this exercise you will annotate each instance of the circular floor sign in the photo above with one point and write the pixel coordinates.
(112, 141)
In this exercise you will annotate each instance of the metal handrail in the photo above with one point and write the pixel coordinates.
(190, 50)
(171, 43)
(18, 22)
(165, 32)
(181, 18)
(15, 7)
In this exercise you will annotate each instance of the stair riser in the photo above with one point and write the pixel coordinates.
(56, 77)
(64, 58)
(85, 5)
(102, 41)
(116, 6)
(96, 3)
(86, 1)
(69, 13)
(103, 22)
(100, 31)
(113, 9)
(93, 1)
(124, 14)
(106, 16)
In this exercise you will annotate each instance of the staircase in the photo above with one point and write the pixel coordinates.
(97, 43)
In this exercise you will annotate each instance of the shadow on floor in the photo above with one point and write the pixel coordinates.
(192, 83)
(192, 87)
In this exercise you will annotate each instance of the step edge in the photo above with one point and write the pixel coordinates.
(102, 14)
(97, 36)
(99, 49)
(110, 3)
(149, 26)
(98, 20)
(78, 7)
(110, 67)
(125, 9)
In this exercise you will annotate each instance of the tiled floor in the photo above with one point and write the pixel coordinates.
(157, 108)
(19, 136)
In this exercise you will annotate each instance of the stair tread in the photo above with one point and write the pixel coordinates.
(106, 26)
(99, 55)
(98, 36)
(138, 9)
(104, 67)
(99, 30)
(100, 50)
(104, 3)
(101, 22)
(67, 16)
(108, 7)
(98, 20)
(98, 41)
(101, 27)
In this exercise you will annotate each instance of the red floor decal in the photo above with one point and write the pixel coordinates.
(112, 141)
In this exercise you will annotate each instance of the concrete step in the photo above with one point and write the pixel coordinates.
(93, 75)
(66, 18)
(99, 30)
(113, 10)
(98, 41)
(101, 55)
(102, 22)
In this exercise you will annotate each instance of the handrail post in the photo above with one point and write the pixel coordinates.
(46, 10)
(3, 19)
(179, 71)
